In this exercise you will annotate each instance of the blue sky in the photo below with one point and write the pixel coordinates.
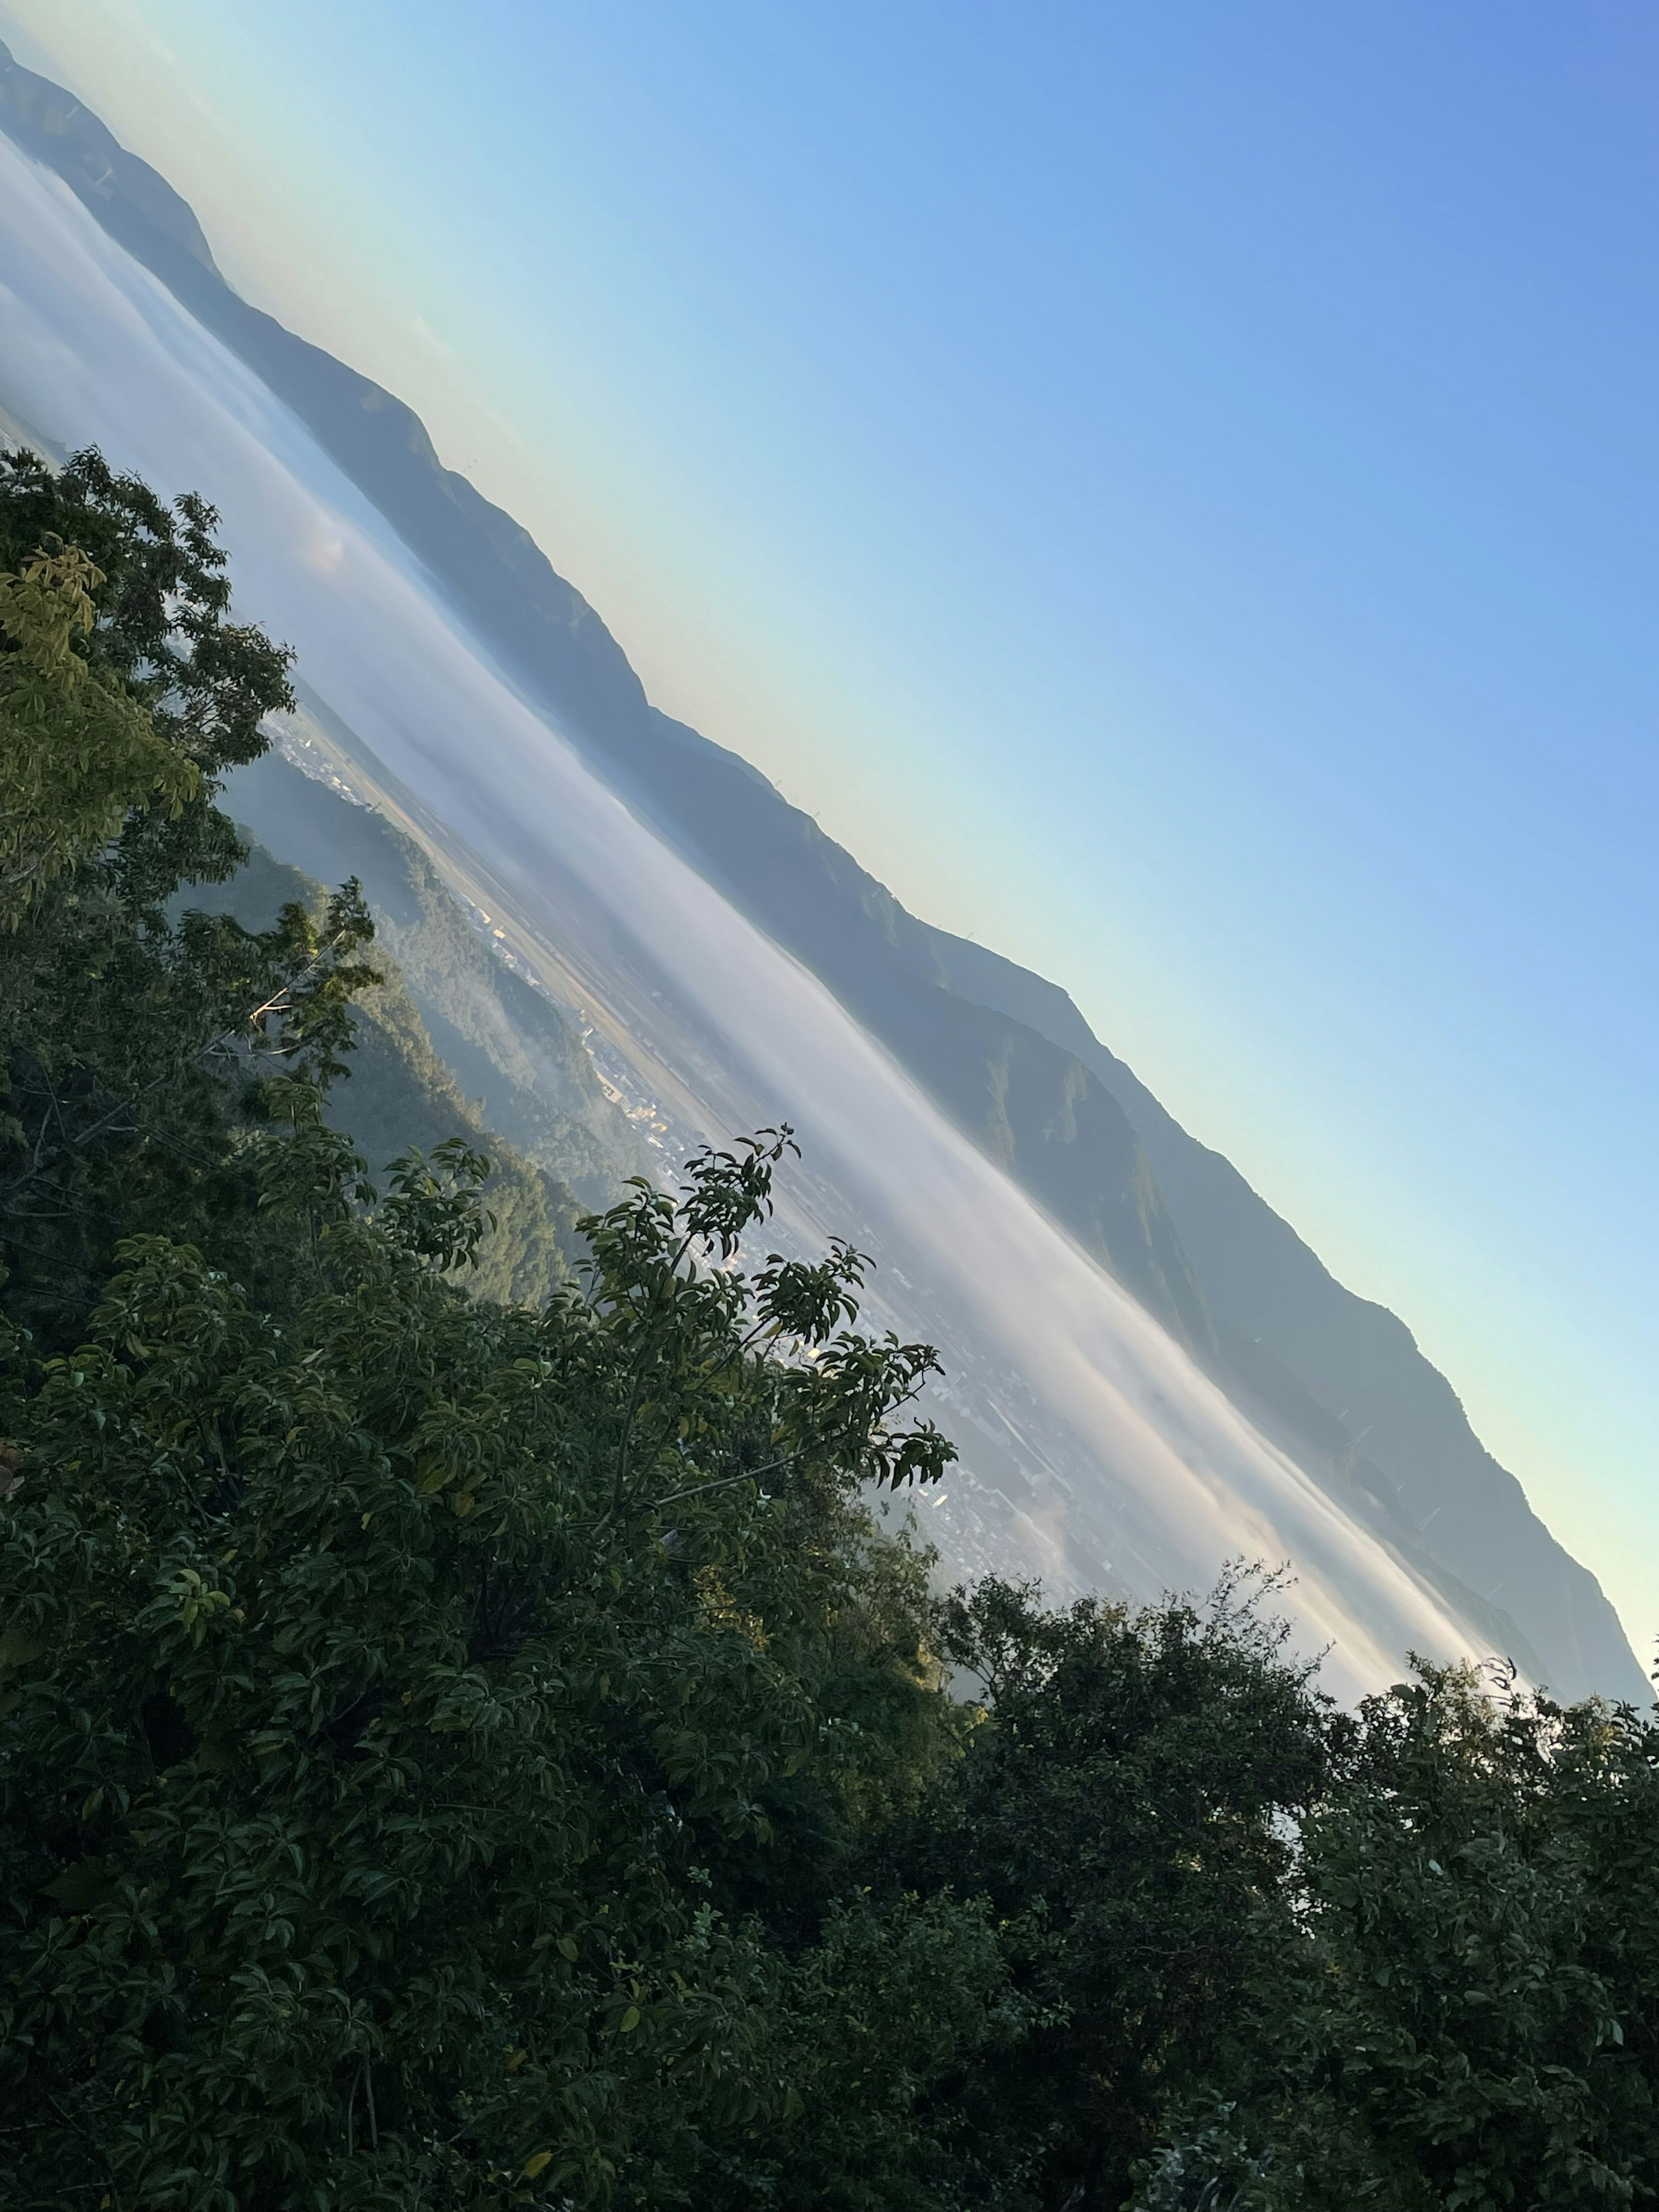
(1172, 488)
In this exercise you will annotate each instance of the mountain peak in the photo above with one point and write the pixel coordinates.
(51, 124)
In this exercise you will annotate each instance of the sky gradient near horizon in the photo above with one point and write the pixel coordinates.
(1171, 489)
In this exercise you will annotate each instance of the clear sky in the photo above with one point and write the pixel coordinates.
(1172, 488)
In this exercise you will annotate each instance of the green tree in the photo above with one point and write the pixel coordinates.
(77, 752)
(127, 1040)
(161, 601)
(1469, 2015)
(433, 1736)
(459, 1755)
(388, 1691)
(1125, 1805)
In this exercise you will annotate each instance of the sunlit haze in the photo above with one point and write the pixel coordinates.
(1170, 488)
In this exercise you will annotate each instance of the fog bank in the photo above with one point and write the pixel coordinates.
(1145, 1475)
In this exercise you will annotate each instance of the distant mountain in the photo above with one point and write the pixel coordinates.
(1036, 1110)
(1338, 1380)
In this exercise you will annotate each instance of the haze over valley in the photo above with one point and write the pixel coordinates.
(1147, 1373)
(826, 1057)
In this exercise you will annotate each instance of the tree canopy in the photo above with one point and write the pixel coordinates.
(456, 1753)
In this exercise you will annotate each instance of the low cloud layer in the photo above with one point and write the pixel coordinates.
(1167, 1479)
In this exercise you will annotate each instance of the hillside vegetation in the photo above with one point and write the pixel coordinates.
(471, 1737)
(508, 1048)
(400, 1096)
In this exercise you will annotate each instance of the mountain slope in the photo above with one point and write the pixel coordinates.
(334, 830)
(398, 1094)
(506, 1047)
(1356, 1361)
(1036, 1091)
(1038, 1112)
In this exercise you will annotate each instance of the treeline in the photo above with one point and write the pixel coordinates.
(455, 1755)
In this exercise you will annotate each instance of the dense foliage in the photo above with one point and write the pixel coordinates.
(126, 1039)
(457, 1753)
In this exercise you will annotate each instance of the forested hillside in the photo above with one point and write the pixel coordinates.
(468, 1750)
(505, 1044)
(397, 1094)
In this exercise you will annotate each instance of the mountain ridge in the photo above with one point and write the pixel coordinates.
(993, 1044)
